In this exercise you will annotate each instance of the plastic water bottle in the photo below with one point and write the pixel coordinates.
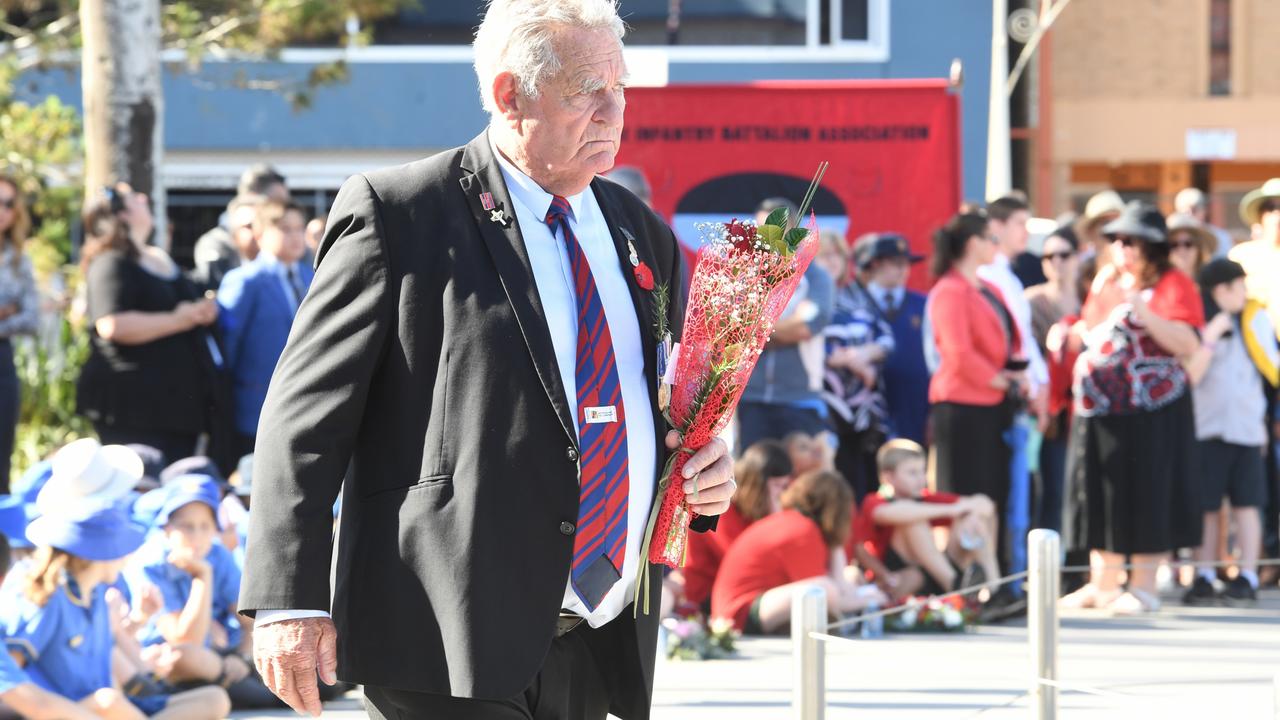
(872, 627)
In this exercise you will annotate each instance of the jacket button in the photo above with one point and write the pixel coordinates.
(571, 454)
(567, 528)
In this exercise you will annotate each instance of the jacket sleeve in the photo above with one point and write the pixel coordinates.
(313, 409)
(235, 308)
(951, 329)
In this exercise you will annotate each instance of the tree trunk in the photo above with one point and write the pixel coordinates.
(121, 83)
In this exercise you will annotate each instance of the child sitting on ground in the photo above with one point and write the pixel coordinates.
(198, 585)
(894, 527)
(762, 474)
(19, 697)
(56, 622)
(803, 544)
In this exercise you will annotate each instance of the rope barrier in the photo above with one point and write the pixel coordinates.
(916, 604)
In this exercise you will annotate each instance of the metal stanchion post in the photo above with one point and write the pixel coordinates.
(808, 615)
(1277, 689)
(1042, 620)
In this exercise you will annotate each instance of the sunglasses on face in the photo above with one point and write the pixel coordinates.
(1126, 241)
(1269, 206)
(1182, 244)
(1064, 255)
(8, 203)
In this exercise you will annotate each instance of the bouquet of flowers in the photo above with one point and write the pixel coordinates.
(692, 639)
(745, 276)
(953, 614)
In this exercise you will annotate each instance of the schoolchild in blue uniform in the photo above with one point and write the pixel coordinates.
(56, 623)
(198, 583)
(19, 697)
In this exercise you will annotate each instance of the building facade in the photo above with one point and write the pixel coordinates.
(1152, 96)
(412, 92)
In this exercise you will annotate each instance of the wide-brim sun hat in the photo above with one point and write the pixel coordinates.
(1252, 201)
(244, 476)
(1185, 222)
(1102, 207)
(100, 532)
(13, 517)
(1140, 220)
(30, 483)
(87, 471)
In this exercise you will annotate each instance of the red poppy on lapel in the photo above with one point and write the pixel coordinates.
(644, 276)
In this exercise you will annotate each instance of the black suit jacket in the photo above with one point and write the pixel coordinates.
(421, 369)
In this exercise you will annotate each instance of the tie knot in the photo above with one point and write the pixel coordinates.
(558, 211)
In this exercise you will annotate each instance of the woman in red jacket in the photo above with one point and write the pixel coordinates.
(977, 373)
(762, 473)
(803, 544)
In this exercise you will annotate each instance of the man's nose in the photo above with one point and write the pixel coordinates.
(609, 110)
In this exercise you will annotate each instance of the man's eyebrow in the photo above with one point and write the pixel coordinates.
(590, 84)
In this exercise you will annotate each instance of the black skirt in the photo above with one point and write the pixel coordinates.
(972, 456)
(1132, 485)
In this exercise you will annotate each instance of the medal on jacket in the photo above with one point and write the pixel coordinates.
(495, 215)
(644, 276)
(666, 374)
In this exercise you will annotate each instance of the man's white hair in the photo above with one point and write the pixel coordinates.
(517, 36)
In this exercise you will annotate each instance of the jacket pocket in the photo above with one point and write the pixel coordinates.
(427, 482)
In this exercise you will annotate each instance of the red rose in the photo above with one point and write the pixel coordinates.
(644, 276)
(743, 236)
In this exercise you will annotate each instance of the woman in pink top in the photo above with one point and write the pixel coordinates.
(975, 337)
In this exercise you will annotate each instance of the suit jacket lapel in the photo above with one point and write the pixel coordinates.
(482, 174)
(624, 237)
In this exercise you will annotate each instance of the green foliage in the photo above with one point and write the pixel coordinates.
(48, 369)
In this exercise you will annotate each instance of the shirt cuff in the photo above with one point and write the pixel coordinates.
(266, 617)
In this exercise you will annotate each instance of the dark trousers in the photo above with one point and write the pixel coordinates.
(856, 460)
(570, 686)
(173, 445)
(973, 458)
(763, 421)
(1047, 510)
(10, 404)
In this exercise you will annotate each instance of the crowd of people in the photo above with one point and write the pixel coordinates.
(126, 550)
(1117, 384)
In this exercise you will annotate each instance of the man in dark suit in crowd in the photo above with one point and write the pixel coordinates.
(257, 304)
(476, 358)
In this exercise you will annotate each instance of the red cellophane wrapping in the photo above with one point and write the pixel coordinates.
(735, 297)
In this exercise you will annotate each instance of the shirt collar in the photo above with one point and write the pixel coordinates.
(273, 263)
(527, 192)
(883, 293)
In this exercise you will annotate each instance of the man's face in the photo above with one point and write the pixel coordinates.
(571, 131)
(287, 241)
(891, 273)
(1231, 297)
(1270, 217)
(1012, 233)
(242, 232)
(193, 527)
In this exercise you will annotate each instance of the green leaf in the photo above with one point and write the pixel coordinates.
(777, 218)
(771, 235)
(795, 236)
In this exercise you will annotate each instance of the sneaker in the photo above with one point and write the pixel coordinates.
(1239, 592)
(1003, 605)
(1201, 593)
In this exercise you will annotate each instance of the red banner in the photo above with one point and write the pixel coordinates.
(713, 152)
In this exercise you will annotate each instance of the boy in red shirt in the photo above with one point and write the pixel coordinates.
(893, 530)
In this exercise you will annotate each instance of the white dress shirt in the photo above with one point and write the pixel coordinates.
(1000, 274)
(553, 277)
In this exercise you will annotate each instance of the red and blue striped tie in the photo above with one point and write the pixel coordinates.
(602, 433)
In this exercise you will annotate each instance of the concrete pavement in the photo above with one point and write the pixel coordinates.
(1178, 663)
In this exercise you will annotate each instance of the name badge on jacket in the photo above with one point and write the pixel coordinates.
(606, 414)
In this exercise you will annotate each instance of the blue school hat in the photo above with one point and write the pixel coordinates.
(30, 483)
(94, 532)
(13, 516)
(194, 465)
(187, 489)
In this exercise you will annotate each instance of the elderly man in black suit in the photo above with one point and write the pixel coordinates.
(476, 358)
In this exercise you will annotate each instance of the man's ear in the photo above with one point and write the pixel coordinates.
(506, 96)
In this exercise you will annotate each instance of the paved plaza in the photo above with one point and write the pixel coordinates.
(1179, 663)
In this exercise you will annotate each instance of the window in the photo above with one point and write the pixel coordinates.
(689, 29)
(1219, 47)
